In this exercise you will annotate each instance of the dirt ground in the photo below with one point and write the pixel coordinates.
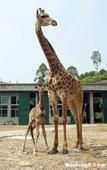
(93, 157)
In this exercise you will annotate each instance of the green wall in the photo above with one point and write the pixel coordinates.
(24, 106)
(105, 107)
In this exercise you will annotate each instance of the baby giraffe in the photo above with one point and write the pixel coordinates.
(37, 118)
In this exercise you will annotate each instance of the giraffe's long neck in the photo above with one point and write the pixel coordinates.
(41, 101)
(54, 63)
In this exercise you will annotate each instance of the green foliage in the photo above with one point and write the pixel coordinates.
(41, 74)
(96, 58)
(73, 70)
(91, 73)
(88, 78)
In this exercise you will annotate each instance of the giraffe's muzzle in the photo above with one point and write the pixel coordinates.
(54, 23)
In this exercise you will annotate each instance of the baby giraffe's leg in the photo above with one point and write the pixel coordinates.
(28, 129)
(44, 134)
(31, 131)
(32, 135)
(37, 137)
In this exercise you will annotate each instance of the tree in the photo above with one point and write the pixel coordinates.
(41, 74)
(96, 58)
(73, 70)
(83, 75)
(102, 71)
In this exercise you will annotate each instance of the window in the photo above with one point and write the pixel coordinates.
(8, 106)
(4, 111)
(14, 106)
(59, 108)
(60, 112)
(14, 111)
(3, 106)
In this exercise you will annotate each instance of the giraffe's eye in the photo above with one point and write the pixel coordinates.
(44, 16)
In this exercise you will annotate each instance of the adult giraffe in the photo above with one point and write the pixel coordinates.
(60, 83)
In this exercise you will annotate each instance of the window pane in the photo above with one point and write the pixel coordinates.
(4, 113)
(17, 113)
(14, 107)
(13, 99)
(3, 110)
(59, 106)
(14, 110)
(4, 99)
(12, 113)
(59, 101)
(4, 107)
(60, 112)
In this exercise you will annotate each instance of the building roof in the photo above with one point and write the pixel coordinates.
(95, 87)
(102, 82)
(25, 87)
(18, 87)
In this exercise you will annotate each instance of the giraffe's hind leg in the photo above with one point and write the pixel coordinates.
(74, 110)
(32, 135)
(45, 138)
(79, 105)
(37, 137)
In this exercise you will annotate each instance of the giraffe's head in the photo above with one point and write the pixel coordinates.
(44, 19)
(41, 88)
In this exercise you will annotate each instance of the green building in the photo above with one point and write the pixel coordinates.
(16, 100)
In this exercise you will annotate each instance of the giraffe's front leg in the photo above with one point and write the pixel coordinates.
(64, 121)
(28, 129)
(54, 149)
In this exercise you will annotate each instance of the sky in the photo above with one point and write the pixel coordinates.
(82, 29)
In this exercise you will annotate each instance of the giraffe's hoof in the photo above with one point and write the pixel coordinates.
(47, 149)
(76, 146)
(34, 153)
(80, 147)
(64, 151)
(53, 151)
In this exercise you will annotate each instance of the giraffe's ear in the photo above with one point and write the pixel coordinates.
(37, 13)
(41, 10)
